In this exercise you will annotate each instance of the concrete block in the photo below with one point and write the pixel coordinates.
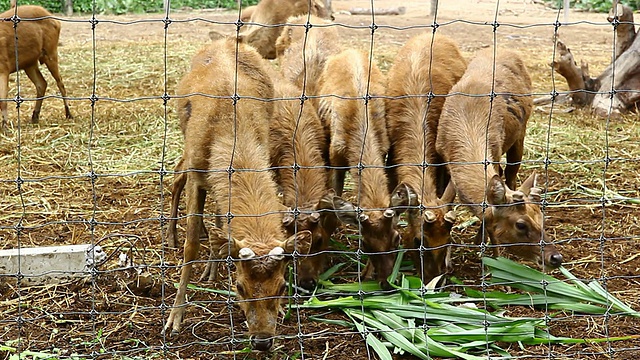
(50, 264)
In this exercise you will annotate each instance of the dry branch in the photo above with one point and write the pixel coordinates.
(386, 11)
(617, 89)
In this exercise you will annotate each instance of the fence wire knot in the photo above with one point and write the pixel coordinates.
(93, 98)
(373, 28)
(18, 100)
(430, 96)
(15, 19)
(495, 25)
(165, 98)
(93, 22)
(556, 25)
(167, 22)
(615, 22)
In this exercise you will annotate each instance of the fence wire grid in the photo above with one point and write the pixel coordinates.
(103, 181)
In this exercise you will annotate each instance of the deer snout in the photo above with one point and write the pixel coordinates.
(308, 283)
(555, 260)
(261, 342)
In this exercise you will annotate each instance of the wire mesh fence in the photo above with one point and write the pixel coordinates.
(308, 267)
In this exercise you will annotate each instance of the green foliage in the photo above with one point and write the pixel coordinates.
(593, 5)
(129, 6)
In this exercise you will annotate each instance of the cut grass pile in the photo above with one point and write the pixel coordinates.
(426, 323)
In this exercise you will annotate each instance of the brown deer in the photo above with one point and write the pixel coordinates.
(226, 153)
(297, 141)
(37, 44)
(422, 68)
(303, 53)
(359, 141)
(484, 117)
(268, 19)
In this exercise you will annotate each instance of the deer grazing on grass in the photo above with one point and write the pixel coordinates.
(412, 119)
(359, 140)
(226, 153)
(37, 44)
(268, 18)
(475, 130)
(297, 139)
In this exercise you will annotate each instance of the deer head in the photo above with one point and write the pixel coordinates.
(516, 221)
(321, 222)
(260, 283)
(428, 230)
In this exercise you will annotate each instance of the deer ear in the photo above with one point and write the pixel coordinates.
(403, 195)
(345, 211)
(496, 191)
(300, 241)
(219, 238)
(214, 35)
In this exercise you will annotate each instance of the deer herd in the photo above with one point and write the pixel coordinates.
(270, 147)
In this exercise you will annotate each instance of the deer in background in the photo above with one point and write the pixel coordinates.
(422, 68)
(268, 18)
(473, 133)
(226, 151)
(297, 139)
(359, 141)
(37, 44)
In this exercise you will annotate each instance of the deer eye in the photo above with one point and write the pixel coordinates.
(522, 225)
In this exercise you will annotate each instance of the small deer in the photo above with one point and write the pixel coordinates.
(226, 152)
(484, 117)
(359, 141)
(268, 18)
(38, 34)
(297, 140)
(422, 75)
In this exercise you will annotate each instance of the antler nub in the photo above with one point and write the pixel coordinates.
(450, 216)
(277, 253)
(429, 216)
(518, 196)
(535, 194)
(389, 213)
(246, 253)
(314, 216)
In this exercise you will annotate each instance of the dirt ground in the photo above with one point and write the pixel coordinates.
(124, 140)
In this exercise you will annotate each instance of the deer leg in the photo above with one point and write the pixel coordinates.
(195, 209)
(4, 92)
(179, 181)
(211, 269)
(34, 74)
(514, 157)
(51, 61)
